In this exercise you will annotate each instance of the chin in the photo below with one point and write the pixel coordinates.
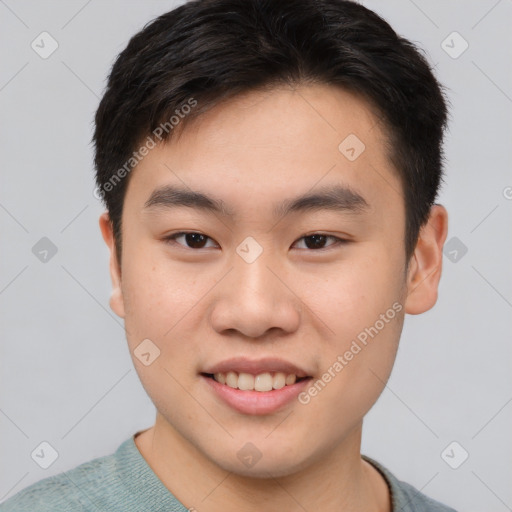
(263, 470)
(268, 463)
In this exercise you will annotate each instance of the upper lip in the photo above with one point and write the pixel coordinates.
(256, 366)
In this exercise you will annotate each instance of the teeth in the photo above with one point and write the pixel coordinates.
(279, 381)
(232, 379)
(261, 382)
(245, 381)
(290, 379)
(220, 377)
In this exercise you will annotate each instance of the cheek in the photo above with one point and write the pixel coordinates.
(157, 305)
(357, 357)
(355, 294)
(363, 308)
(162, 300)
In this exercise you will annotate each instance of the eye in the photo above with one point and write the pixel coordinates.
(192, 240)
(196, 240)
(317, 241)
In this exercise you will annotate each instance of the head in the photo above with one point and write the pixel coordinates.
(301, 141)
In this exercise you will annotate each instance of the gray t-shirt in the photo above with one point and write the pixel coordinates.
(123, 482)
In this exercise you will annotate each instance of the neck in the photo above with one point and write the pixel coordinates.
(338, 481)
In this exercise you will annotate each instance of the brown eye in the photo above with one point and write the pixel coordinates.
(318, 241)
(315, 241)
(190, 240)
(195, 240)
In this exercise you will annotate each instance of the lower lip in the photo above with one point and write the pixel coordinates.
(256, 402)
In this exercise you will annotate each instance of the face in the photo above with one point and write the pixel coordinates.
(303, 299)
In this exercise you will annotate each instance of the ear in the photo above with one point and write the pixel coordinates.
(426, 263)
(116, 298)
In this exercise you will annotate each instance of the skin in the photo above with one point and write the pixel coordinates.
(206, 305)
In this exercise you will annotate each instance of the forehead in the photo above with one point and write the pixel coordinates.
(272, 144)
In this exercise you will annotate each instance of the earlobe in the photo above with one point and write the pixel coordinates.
(426, 263)
(116, 298)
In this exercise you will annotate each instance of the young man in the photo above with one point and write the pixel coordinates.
(270, 170)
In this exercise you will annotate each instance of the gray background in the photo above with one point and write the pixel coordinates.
(66, 375)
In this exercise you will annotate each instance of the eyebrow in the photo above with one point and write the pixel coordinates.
(336, 197)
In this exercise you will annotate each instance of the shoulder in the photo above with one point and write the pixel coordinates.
(411, 498)
(405, 497)
(77, 490)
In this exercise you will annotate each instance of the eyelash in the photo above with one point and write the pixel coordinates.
(338, 241)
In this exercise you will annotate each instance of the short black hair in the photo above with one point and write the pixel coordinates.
(206, 51)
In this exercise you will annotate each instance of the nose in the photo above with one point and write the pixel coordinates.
(255, 298)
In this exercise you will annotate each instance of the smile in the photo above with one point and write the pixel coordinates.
(262, 382)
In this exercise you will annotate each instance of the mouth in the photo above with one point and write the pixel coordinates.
(255, 387)
(262, 382)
